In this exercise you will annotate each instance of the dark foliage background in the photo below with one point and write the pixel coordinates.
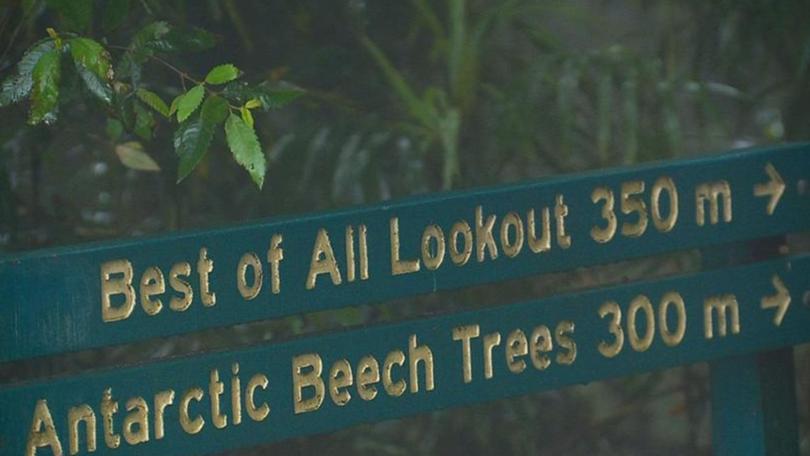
(410, 97)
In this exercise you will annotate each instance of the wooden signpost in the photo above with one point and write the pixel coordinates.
(99, 295)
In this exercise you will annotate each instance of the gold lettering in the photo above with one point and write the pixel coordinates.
(368, 373)
(313, 363)
(138, 418)
(604, 235)
(417, 354)
(350, 254)
(152, 283)
(274, 256)
(562, 334)
(249, 291)
(560, 212)
(516, 346)
(631, 202)
(483, 235)
(39, 437)
(215, 390)
(431, 261)
(399, 266)
(672, 339)
(363, 248)
(615, 327)
(236, 387)
(323, 261)
(465, 334)
(163, 399)
(116, 286)
(179, 285)
(191, 426)
(511, 249)
(261, 412)
(711, 192)
(723, 304)
(396, 388)
(460, 257)
(540, 343)
(544, 243)
(340, 378)
(640, 344)
(491, 341)
(662, 224)
(205, 266)
(109, 408)
(76, 415)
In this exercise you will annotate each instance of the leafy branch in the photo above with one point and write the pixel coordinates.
(222, 99)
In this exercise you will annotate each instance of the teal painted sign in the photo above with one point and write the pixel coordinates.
(97, 295)
(226, 400)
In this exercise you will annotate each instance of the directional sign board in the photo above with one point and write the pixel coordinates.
(90, 296)
(208, 403)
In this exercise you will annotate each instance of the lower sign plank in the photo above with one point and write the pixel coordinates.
(221, 401)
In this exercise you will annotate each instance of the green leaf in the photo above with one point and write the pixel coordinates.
(189, 102)
(269, 95)
(76, 14)
(91, 55)
(175, 102)
(245, 147)
(253, 103)
(247, 116)
(144, 122)
(161, 37)
(18, 86)
(185, 39)
(133, 156)
(114, 129)
(221, 74)
(45, 93)
(141, 45)
(115, 13)
(192, 138)
(95, 85)
(154, 101)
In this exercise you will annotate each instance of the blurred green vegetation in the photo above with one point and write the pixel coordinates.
(409, 97)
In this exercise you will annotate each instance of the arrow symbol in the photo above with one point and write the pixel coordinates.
(774, 188)
(780, 301)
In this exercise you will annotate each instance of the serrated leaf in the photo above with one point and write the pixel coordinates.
(173, 106)
(192, 138)
(76, 14)
(92, 55)
(95, 85)
(247, 116)
(189, 102)
(144, 122)
(45, 91)
(271, 95)
(245, 148)
(221, 74)
(18, 86)
(185, 39)
(141, 46)
(133, 156)
(154, 101)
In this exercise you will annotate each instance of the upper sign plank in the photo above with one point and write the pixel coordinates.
(90, 296)
(221, 401)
